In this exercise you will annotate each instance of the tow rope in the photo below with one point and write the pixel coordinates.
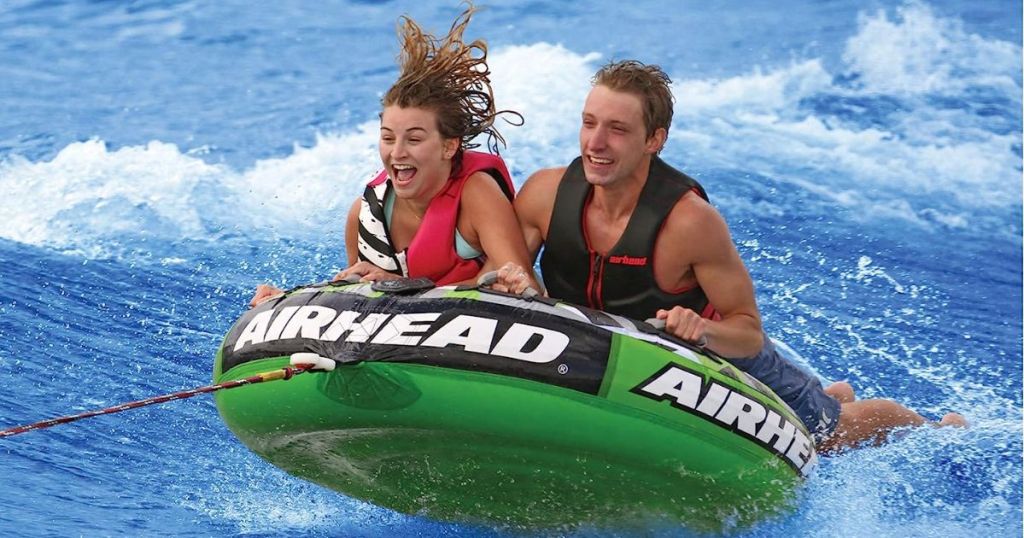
(300, 363)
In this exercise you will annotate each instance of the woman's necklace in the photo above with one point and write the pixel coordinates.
(412, 211)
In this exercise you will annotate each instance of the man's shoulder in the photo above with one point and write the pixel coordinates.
(536, 199)
(543, 182)
(694, 231)
(547, 175)
(693, 214)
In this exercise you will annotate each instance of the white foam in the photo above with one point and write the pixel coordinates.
(906, 142)
(312, 189)
(547, 84)
(87, 191)
(919, 52)
(925, 163)
(758, 92)
(89, 195)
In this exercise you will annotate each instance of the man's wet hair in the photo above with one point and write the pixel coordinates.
(648, 82)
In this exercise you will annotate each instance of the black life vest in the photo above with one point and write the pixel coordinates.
(621, 282)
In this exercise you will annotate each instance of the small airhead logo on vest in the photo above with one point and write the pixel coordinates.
(628, 260)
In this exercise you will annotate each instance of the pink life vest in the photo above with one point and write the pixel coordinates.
(432, 253)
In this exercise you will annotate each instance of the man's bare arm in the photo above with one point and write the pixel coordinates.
(534, 204)
(721, 274)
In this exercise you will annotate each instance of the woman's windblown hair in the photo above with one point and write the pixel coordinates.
(451, 78)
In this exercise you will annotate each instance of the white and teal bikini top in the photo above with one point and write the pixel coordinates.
(462, 247)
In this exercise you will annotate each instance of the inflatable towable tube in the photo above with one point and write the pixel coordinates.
(464, 404)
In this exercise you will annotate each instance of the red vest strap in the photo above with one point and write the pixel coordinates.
(381, 177)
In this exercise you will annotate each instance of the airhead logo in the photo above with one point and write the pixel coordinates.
(628, 260)
(474, 334)
(692, 393)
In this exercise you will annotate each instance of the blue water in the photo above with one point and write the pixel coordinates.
(158, 158)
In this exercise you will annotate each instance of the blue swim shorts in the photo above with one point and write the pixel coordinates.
(800, 390)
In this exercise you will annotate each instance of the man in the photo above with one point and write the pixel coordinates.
(626, 233)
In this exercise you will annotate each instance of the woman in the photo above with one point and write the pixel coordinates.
(438, 209)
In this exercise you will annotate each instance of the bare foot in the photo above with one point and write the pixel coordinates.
(953, 419)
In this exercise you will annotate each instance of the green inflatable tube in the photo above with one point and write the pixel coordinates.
(467, 405)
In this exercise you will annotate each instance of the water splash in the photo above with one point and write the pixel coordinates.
(926, 137)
